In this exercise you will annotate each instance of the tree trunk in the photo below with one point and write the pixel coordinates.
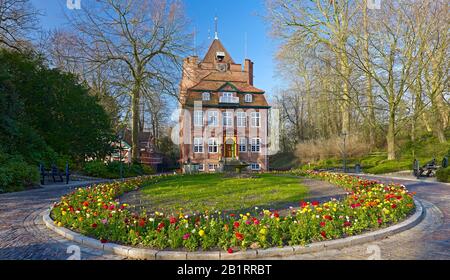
(345, 107)
(369, 93)
(135, 100)
(440, 117)
(390, 137)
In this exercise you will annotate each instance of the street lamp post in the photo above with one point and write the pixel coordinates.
(345, 156)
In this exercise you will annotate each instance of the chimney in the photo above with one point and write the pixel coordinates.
(189, 75)
(248, 67)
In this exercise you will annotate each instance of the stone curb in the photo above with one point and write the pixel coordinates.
(150, 254)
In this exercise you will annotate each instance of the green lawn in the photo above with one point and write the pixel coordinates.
(214, 191)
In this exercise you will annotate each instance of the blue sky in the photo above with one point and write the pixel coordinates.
(235, 19)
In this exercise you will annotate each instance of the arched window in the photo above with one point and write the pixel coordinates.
(248, 98)
(206, 96)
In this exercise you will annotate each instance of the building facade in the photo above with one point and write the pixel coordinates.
(223, 116)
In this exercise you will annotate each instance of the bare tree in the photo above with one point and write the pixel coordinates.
(143, 40)
(17, 21)
(314, 23)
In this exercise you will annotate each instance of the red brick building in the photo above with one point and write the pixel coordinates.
(224, 116)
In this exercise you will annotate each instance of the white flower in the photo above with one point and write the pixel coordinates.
(151, 219)
(193, 231)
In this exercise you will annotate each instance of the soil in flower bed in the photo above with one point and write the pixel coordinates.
(308, 189)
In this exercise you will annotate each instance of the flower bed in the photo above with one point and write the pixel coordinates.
(95, 212)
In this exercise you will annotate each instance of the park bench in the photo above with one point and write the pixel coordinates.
(428, 170)
(54, 173)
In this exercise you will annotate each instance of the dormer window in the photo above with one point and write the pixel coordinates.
(220, 56)
(206, 96)
(248, 98)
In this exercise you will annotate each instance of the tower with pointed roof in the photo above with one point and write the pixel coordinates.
(224, 116)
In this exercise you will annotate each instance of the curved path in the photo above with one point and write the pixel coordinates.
(24, 236)
(430, 239)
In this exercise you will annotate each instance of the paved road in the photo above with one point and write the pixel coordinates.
(24, 236)
(430, 239)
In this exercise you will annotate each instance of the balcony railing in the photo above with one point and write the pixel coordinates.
(229, 99)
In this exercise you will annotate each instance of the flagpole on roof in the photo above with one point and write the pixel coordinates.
(215, 28)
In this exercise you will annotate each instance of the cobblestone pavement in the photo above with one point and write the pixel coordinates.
(24, 236)
(430, 239)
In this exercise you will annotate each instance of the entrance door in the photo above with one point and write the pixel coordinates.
(229, 148)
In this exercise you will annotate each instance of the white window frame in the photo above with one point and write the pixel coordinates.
(213, 115)
(228, 117)
(198, 145)
(206, 96)
(256, 119)
(241, 119)
(255, 145)
(213, 146)
(227, 96)
(198, 118)
(255, 166)
(214, 166)
(248, 98)
(201, 167)
(242, 144)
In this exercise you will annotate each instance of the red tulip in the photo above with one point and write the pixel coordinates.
(323, 233)
(230, 251)
(160, 226)
(141, 222)
(239, 236)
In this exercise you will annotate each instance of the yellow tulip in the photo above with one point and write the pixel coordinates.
(201, 232)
